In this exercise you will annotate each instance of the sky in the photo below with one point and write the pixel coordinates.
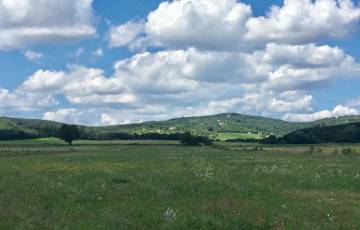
(98, 62)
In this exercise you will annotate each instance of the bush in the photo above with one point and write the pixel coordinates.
(346, 151)
(270, 140)
(190, 140)
(312, 149)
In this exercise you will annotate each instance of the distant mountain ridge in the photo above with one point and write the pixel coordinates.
(214, 126)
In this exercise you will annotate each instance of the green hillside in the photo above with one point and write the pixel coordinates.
(210, 125)
(221, 126)
(238, 125)
(27, 127)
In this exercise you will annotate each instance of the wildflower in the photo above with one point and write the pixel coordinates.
(169, 215)
(330, 217)
(204, 170)
(317, 176)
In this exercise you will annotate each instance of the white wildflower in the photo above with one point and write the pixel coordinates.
(170, 215)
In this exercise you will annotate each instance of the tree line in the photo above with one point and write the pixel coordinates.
(348, 133)
(69, 133)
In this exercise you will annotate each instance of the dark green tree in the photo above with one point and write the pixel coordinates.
(69, 133)
(190, 140)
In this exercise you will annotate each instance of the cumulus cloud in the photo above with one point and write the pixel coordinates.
(303, 103)
(207, 24)
(302, 21)
(79, 85)
(230, 24)
(106, 119)
(23, 101)
(126, 35)
(90, 86)
(33, 56)
(263, 102)
(305, 67)
(26, 22)
(277, 68)
(178, 71)
(42, 81)
(338, 111)
(64, 115)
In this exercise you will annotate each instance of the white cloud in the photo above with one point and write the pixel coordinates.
(341, 110)
(23, 101)
(338, 111)
(263, 102)
(63, 115)
(90, 86)
(43, 80)
(277, 68)
(79, 85)
(33, 56)
(230, 24)
(302, 21)
(26, 22)
(302, 56)
(108, 120)
(179, 71)
(306, 67)
(125, 34)
(302, 103)
(205, 24)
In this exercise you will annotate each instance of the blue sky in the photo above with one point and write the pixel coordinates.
(102, 63)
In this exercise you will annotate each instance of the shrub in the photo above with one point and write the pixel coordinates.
(346, 151)
(312, 149)
(120, 180)
(190, 140)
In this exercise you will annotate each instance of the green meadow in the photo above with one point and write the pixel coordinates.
(45, 184)
(224, 136)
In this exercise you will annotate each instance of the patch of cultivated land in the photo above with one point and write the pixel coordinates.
(161, 185)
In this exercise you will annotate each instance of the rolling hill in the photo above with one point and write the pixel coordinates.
(221, 126)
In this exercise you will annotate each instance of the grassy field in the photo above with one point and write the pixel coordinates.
(231, 136)
(162, 185)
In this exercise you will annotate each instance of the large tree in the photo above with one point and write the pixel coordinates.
(69, 133)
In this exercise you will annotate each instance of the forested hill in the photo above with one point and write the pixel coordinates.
(212, 126)
(17, 128)
(229, 122)
(206, 125)
(346, 133)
